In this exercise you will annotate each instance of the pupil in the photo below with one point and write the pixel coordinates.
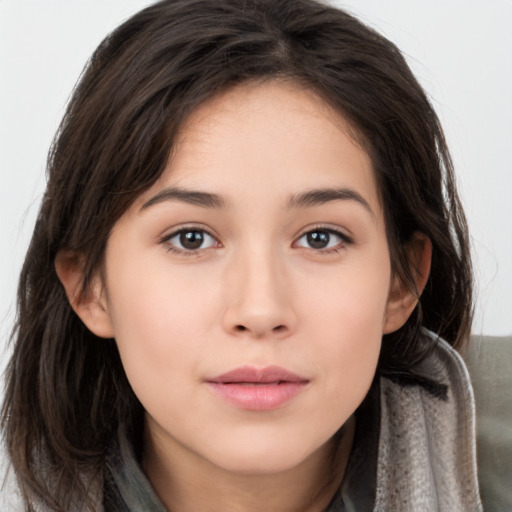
(318, 239)
(191, 239)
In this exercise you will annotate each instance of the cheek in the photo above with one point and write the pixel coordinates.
(161, 325)
(351, 298)
(348, 341)
(346, 317)
(348, 365)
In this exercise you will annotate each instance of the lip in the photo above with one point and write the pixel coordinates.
(258, 389)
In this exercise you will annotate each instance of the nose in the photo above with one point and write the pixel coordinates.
(259, 298)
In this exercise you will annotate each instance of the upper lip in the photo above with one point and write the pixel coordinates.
(248, 374)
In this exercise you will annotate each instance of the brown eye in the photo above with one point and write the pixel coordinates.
(318, 239)
(191, 239)
(323, 239)
(188, 240)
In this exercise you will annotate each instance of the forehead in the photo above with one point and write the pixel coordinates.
(274, 137)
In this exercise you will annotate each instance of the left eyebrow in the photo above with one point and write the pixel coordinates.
(321, 196)
(194, 197)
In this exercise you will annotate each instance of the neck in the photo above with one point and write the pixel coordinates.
(187, 484)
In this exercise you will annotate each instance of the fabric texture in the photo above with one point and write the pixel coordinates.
(427, 448)
(421, 459)
(489, 360)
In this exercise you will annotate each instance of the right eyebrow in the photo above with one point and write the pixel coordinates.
(194, 197)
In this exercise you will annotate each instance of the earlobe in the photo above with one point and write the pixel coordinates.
(402, 300)
(91, 304)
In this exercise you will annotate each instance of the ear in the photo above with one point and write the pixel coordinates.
(91, 304)
(402, 300)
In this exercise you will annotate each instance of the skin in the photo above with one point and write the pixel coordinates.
(255, 293)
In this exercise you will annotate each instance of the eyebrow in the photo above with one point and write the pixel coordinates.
(194, 197)
(315, 197)
(321, 196)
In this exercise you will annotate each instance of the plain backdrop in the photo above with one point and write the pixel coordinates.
(461, 50)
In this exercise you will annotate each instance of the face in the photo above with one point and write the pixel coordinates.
(249, 288)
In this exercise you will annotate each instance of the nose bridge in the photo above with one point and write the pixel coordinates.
(259, 295)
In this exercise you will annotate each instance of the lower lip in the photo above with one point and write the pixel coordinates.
(258, 397)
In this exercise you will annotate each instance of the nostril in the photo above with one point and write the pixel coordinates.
(278, 329)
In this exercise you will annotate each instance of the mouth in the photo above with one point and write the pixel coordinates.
(258, 389)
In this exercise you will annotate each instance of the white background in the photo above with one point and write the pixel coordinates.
(461, 50)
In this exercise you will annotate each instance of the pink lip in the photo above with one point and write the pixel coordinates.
(258, 389)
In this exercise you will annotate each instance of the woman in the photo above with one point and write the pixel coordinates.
(248, 252)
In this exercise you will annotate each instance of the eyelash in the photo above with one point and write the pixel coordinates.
(165, 240)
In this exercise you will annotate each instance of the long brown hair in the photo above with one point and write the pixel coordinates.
(66, 389)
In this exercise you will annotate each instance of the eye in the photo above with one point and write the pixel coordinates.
(323, 240)
(189, 240)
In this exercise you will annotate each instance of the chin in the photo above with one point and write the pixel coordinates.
(261, 464)
(263, 458)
